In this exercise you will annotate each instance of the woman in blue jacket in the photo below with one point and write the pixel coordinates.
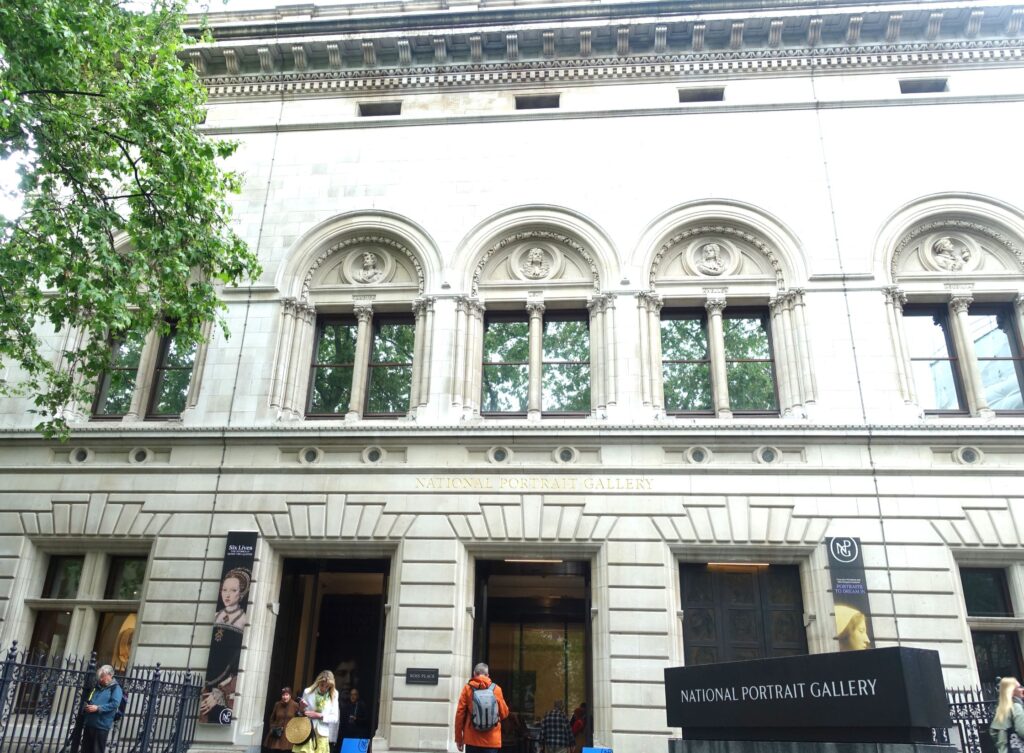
(100, 707)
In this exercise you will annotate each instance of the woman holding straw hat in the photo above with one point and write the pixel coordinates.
(1009, 717)
(320, 706)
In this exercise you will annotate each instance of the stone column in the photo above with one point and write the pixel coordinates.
(790, 370)
(459, 355)
(533, 402)
(806, 368)
(302, 356)
(364, 332)
(144, 376)
(716, 343)
(895, 299)
(428, 347)
(654, 304)
(474, 358)
(968, 359)
(595, 305)
(647, 365)
(610, 351)
(419, 315)
(775, 306)
(285, 337)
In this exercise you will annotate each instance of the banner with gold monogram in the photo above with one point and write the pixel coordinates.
(217, 702)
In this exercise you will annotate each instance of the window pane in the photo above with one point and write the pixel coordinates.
(388, 389)
(565, 388)
(125, 578)
(50, 636)
(997, 654)
(745, 337)
(115, 393)
(1000, 375)
(331, 389)
(114, 638)
(985, 592)
(170, 392)
(751, 385)
(567, 341)
(393, 343)
(506, 342)
(177, 356)
(505, 388)
(127, 352)
(336, 344)
(936, 385)
(62, 577)
(684, 340)
(687, 386)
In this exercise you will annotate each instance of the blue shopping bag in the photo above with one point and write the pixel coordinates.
(354, 745)
(597, 750)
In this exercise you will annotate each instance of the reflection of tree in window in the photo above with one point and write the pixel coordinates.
(125, 578)
(686, 364)
(999, 359)
(62, 577)
(506, 366)
(565, 371)
(114, 395)
(333, 361)
(171, 377)
(748, 363)
(390, 369)
(932, 359)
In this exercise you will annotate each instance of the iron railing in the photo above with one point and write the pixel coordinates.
(41, 700)
(971, 710)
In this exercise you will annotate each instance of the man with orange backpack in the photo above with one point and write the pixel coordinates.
(479, 713)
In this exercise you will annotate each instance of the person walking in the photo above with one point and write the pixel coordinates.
(320, 704)
(555, 730)
(1009, 716)
(283, 712)
(100, 708)
(479, 713)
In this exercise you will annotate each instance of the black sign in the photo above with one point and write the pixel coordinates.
(217, 702)
(882, 695)
(414, 676)
(850, 593)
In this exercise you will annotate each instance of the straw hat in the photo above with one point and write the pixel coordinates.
(298, 730)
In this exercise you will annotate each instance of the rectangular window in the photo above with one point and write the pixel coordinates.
(114, 637)
(63, 577)
(117, 385)
(389, 379)
(997, 347)
(506, 365)
(171, 378)
(124, 580)
(565, 367)
(331, 373)
(739, 612)
(537, 101)
(987, 594)
(686, 363)
(706, 94)
(50, 636)
(933, 359)
(749, 367)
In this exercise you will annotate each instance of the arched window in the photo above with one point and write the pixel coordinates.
(955, 309)
(721, 331)
(353, 340)
(536, 330)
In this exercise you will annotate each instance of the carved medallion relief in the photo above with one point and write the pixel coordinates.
(364, 263)
(535, 257)
(955, 248)
(703, 252)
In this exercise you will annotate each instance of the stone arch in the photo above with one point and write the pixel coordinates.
(742, 229)
(979, 227)
(395, 234)
(558, 229)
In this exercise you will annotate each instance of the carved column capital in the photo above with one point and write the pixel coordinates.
(1019, 303)
(715, 306)
(895, 296)
(959, 304)
(475, 307)
(596, 304)
(422, 305)
(363, 312)
(535, 308)
(288, 304)
(306, 312)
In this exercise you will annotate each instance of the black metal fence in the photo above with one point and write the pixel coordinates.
(971, 710)
(41, 700)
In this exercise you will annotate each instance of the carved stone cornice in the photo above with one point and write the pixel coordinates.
(695, 65)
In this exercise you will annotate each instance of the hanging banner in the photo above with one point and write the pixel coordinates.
(850, 593)
(216, 704)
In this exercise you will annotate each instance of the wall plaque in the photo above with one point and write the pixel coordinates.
(893, 695)
(420, 676)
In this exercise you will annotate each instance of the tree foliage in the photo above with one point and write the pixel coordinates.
(125, 221)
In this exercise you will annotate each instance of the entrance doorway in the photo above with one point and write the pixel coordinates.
(532, 628)
(331, 616)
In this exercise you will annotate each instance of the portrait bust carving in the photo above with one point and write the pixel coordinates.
(950, 255)
(710, 260)
(370, 271)
(536, 265)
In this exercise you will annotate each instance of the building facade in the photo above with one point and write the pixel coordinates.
(582, 329)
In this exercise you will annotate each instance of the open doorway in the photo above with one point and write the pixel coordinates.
(532, 628)
(331, 616)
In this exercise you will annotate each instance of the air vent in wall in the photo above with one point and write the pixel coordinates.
(376, 109)
(705, 94)
(537, 101)
(923, 85)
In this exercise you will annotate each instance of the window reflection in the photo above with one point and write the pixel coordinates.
(506, 366)
(565, 375)
(932, 360)
(998, 359)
